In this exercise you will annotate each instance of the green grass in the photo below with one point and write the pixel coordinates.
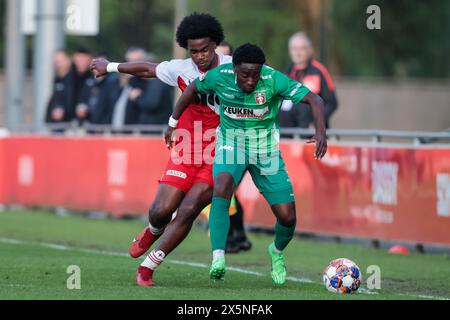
(30, 270)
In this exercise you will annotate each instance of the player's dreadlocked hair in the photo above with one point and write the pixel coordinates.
(249, 53)
(197, 26)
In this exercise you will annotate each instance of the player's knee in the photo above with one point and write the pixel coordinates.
(223, 186)
(159, 213)
(288, 219)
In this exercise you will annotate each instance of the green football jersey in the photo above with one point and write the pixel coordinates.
(252, 116)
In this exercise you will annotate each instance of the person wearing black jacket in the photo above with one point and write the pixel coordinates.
(142, 101)
(314, 76)
(135, 90)
(82, 59)
(98, 98)
(60, 107)
(155, 103)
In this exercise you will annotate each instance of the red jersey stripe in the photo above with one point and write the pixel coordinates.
(325, 73)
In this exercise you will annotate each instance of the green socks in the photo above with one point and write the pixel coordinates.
(283, 235)
(219, 223)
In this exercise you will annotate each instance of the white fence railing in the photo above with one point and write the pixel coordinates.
(73, 129)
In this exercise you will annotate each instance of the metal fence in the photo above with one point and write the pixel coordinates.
(371, 135)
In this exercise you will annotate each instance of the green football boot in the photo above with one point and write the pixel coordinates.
(278, 272)
(217, 270)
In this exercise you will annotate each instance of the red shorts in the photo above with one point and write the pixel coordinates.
(183, 176)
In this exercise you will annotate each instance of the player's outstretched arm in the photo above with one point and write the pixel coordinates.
(318, 111)
(183, 102)
(100, 67)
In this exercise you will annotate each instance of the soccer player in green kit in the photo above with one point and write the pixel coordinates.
(250, 95)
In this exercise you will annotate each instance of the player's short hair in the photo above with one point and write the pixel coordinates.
(197, 26)
(249, 53)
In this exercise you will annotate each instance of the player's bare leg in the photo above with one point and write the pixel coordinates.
(198, 197)
(195, 200)
(284, 231)
(219, 222)
(167, 200)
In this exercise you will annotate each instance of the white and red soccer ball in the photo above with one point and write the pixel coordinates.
(342, 275)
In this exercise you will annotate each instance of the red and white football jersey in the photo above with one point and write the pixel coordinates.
(180, 73)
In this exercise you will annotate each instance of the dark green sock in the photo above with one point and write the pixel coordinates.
(219, 223)
(283, 235)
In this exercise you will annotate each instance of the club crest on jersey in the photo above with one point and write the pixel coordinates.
(260, 97)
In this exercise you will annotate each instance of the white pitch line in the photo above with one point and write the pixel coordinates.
(186, 263)
(424, 296)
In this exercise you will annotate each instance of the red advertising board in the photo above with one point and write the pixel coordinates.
(391, 193)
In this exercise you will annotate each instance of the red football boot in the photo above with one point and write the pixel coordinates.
(144, 277)
(142, 243)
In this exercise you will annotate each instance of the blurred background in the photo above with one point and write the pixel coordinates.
(396, 77)
(382, 68)
(78, 146)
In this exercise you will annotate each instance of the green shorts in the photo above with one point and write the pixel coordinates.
(268, 172)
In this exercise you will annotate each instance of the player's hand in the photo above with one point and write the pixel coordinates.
(320, 139)
(168, 136)
(98, 67)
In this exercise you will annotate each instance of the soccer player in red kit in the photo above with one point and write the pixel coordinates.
(184, 187)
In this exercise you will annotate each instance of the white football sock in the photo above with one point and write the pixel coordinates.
(155, 231)
(218, 254)
(274, 249)
(154, 259)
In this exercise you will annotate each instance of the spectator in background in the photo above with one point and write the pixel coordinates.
(60, 108)
(225, 48)
(142, 101)
(98, 97)
(314, 76)
(155, 103)
(81, 61)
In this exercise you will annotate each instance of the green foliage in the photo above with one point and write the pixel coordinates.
(414, 40)
(144, 23)
(267, 23)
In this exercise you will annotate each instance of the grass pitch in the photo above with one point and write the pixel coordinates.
(37, 247)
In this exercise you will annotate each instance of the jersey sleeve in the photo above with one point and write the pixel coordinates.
(207, 83)
(168, 72)
(289, 89)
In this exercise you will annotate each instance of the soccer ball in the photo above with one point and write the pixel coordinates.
(342, 275)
